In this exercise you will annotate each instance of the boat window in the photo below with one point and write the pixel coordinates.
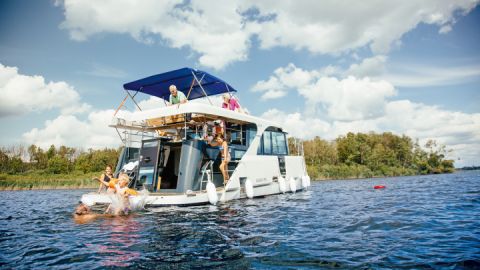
(279, 146)
(146, 175)
(150, 144)
(237, 134)
(273, 142)
(250, 134)
(267, 143)
(238, 154)
(240, 134)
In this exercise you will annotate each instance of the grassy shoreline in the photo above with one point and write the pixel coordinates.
(35, 181)
(46, 188)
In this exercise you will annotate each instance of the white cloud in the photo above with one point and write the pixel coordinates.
(345, 99)
(350, 98)
(412, 75)
(217, 32)
(71, 131)
(22, 94)
(284, 79)
(151, 103)
(296, 124)
(221, 32)
(369, 67)
(99, 70)
(445, 29)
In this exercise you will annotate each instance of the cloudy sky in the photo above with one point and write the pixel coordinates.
(322, 68)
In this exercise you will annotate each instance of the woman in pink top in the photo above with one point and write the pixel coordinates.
(230, 103)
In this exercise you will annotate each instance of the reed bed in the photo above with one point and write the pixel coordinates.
(29, 181)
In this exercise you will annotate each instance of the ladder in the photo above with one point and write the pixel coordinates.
(207, 169)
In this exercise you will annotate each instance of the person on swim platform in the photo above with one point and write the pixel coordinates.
(106, 177)
(220, 141)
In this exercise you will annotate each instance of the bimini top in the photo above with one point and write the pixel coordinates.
(200, 82)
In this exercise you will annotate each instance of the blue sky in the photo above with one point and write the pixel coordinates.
(322, 69)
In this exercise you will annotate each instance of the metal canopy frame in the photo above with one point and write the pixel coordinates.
(195, 80)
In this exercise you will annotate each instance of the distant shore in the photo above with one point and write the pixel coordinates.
(34, 181)
(46, 188)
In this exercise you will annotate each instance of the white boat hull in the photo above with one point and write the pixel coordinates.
(195, 198)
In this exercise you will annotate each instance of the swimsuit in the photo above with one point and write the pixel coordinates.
(221, 152)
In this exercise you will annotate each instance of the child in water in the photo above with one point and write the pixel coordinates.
(83, 214)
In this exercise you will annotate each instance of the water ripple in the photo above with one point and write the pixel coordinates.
(423, 222)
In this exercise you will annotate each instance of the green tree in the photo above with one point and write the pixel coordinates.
(58, 164)
(51, 152)
(4, 161)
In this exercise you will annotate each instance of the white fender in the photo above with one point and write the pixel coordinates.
(212, 193)
(308, 180)
(304, 181)
(282, 184)
(249, 188)
(293, 184)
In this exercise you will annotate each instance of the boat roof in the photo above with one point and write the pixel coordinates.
(193, 83)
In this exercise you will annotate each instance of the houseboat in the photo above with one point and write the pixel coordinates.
(167, 152)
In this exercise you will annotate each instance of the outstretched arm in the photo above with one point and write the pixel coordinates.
(101, 180)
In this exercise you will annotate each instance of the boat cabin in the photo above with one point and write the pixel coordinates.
(174, 155)
(171, 143)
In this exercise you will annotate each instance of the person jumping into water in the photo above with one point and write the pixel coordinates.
(123, 192)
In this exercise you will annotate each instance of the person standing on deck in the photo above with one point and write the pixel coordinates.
(176, 97)
(220, 141)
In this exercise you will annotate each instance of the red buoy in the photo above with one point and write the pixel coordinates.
(379, 186)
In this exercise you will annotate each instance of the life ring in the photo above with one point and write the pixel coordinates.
(379, 187)
(249, 188)
(293, 184)
(212, 193)
(282, 185)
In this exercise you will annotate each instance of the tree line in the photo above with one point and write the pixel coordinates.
(355, 155)
(363, 155)
(61, 160)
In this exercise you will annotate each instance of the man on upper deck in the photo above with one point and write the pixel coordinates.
(176, 97)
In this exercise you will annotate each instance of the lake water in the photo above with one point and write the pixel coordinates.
(420, 222)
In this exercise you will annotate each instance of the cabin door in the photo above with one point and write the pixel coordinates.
(149, 157)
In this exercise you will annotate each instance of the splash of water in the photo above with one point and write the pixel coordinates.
(135, 203)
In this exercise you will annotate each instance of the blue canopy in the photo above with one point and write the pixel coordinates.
(157, 85)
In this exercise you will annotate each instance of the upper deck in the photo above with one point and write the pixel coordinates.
(199, 111)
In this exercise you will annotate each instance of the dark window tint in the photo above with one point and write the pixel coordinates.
(267, 143)
(279, 145)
